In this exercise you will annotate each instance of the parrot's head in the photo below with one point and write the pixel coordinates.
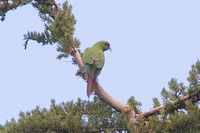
(104, 45)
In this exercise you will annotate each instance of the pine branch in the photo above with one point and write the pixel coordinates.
(7, 5)
(177, 104)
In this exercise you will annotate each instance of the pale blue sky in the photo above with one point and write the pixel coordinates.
(151, 42)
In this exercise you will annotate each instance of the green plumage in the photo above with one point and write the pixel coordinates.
(94, 56)
(94, 59)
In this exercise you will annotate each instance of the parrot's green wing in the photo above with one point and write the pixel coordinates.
(94, 57)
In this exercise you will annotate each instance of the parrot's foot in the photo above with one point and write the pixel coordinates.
(81, 73)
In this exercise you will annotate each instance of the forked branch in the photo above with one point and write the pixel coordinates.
(131, 113)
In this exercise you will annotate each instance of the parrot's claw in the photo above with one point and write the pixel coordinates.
(81, 73)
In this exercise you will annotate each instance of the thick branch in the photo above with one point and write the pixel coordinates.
(130, 112)
(110, 100)
(99, 90)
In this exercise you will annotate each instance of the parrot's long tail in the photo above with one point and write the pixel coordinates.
(91, 84)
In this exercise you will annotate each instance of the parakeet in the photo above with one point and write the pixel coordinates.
(94, 59)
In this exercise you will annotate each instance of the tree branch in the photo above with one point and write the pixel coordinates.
(99, 91)
(121, 107)
(5, 6)
(194, 97)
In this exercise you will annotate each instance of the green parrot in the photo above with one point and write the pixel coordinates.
(94, 59)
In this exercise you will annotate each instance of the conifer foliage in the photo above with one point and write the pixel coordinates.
(71, 117)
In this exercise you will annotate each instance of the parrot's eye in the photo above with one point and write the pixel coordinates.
(107, 45)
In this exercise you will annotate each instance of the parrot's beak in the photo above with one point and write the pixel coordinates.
(110, 49)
